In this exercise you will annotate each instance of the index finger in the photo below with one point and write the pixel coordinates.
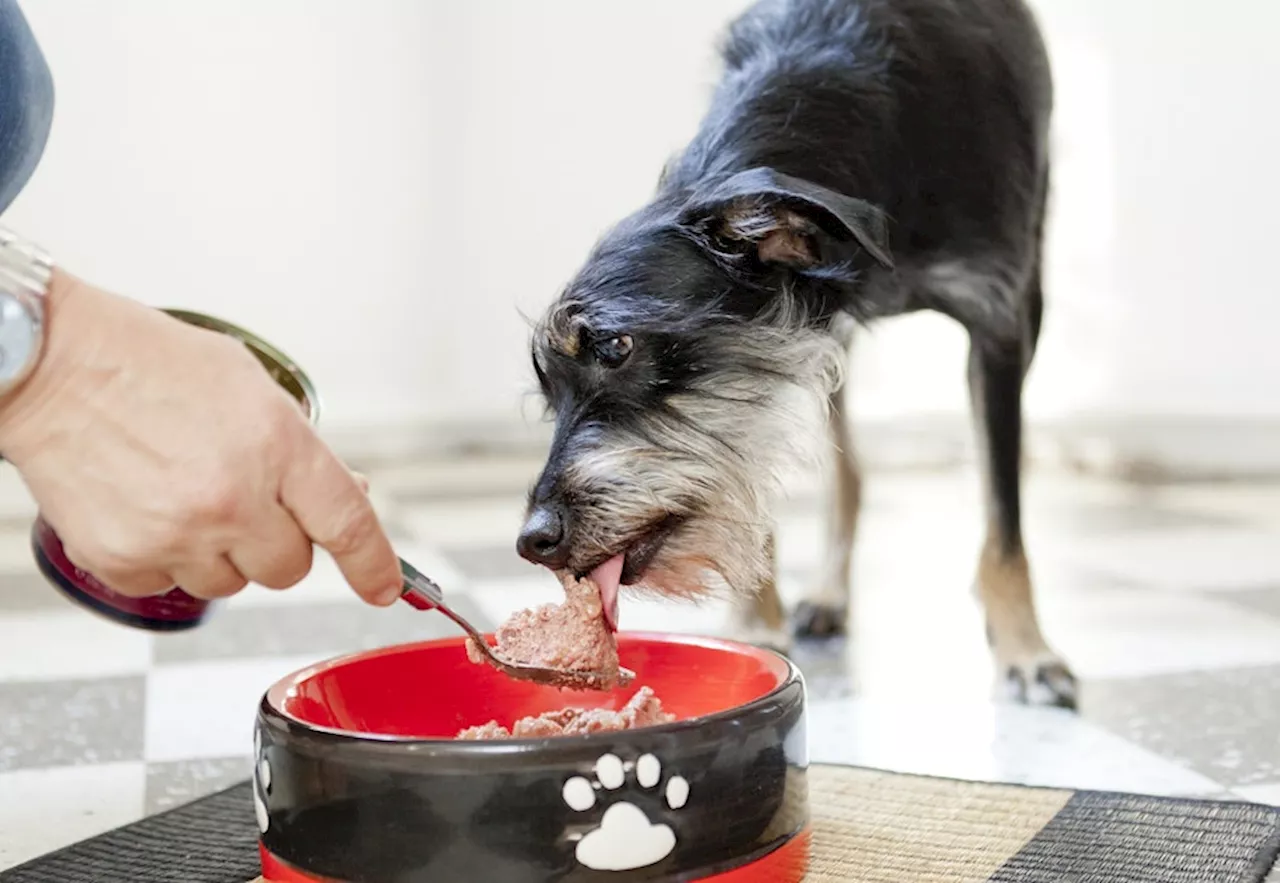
(331, 508)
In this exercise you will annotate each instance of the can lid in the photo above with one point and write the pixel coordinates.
(284, 370)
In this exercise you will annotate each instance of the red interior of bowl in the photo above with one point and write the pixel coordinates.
(432, 690)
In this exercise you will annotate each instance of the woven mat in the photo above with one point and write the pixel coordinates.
(869, 827)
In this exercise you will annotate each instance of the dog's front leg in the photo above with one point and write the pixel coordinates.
(759, 617)
(1027, 669)
(824, 612)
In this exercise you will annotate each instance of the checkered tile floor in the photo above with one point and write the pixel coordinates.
(1167, 601)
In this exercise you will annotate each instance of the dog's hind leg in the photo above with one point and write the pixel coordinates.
(825, 610)
(1028, 670)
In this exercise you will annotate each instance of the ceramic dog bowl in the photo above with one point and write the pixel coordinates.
(173, 610)
(358, 778)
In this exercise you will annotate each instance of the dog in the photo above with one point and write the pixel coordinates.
(860, 159)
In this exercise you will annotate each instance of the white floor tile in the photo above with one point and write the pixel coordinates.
(70, 643)
(1123, 633)
(932, 648)
(1192, 559)
(1258, 503)
(906, 534)
(1269, 794)
(15, 500)
(208, 709)
(46, 809)
(15, 551)
(990, 742)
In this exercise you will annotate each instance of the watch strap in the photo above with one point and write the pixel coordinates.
(25, 268)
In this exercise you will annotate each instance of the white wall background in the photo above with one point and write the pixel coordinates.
(381, 188)
(263, 160)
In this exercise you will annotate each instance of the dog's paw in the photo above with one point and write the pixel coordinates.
(814, 619)
(1039, 680)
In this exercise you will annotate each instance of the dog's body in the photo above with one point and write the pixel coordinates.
(860, 159)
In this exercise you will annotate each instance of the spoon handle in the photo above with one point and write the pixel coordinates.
(420, 591)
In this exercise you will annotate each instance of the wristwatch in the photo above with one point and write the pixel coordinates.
(25, 271)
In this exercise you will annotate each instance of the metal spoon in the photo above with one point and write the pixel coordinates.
(422, 593)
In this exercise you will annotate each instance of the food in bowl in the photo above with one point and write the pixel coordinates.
(643, 710)
(574, 637)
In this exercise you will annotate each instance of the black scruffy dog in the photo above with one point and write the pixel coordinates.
(860, 159)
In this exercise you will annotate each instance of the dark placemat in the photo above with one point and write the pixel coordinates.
(868, 827)
(213, 840)
(879, 827)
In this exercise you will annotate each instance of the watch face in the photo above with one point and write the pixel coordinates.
(19, 336)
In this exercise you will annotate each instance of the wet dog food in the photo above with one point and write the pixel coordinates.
(644, 710)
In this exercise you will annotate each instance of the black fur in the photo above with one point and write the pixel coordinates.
(936, 111)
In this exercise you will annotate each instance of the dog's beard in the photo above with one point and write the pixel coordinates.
(715, 457)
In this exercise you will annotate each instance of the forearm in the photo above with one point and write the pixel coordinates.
(26, 102)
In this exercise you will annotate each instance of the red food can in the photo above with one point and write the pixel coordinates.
(174, 610)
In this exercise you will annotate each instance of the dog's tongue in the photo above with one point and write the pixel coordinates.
(608, 577)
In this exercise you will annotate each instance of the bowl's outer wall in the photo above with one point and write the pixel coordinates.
(398, 812)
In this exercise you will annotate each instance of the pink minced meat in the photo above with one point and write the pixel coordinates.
(572, 636)
(644, 710)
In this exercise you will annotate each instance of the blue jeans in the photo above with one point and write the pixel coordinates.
(26, 102)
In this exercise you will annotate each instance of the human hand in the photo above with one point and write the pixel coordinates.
(164, 454)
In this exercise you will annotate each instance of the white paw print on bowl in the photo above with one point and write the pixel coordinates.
(625, 839)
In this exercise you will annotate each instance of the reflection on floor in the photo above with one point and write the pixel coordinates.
(1165, 600)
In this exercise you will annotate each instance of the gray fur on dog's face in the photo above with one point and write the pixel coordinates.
(684, 375)
(681, 475)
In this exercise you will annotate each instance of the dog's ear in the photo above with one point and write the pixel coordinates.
(788, 220)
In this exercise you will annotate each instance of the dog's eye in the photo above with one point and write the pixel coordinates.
(613, 351)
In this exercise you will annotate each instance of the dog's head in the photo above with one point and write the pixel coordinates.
(682, 366)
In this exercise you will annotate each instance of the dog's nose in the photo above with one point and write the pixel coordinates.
(542, 540)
